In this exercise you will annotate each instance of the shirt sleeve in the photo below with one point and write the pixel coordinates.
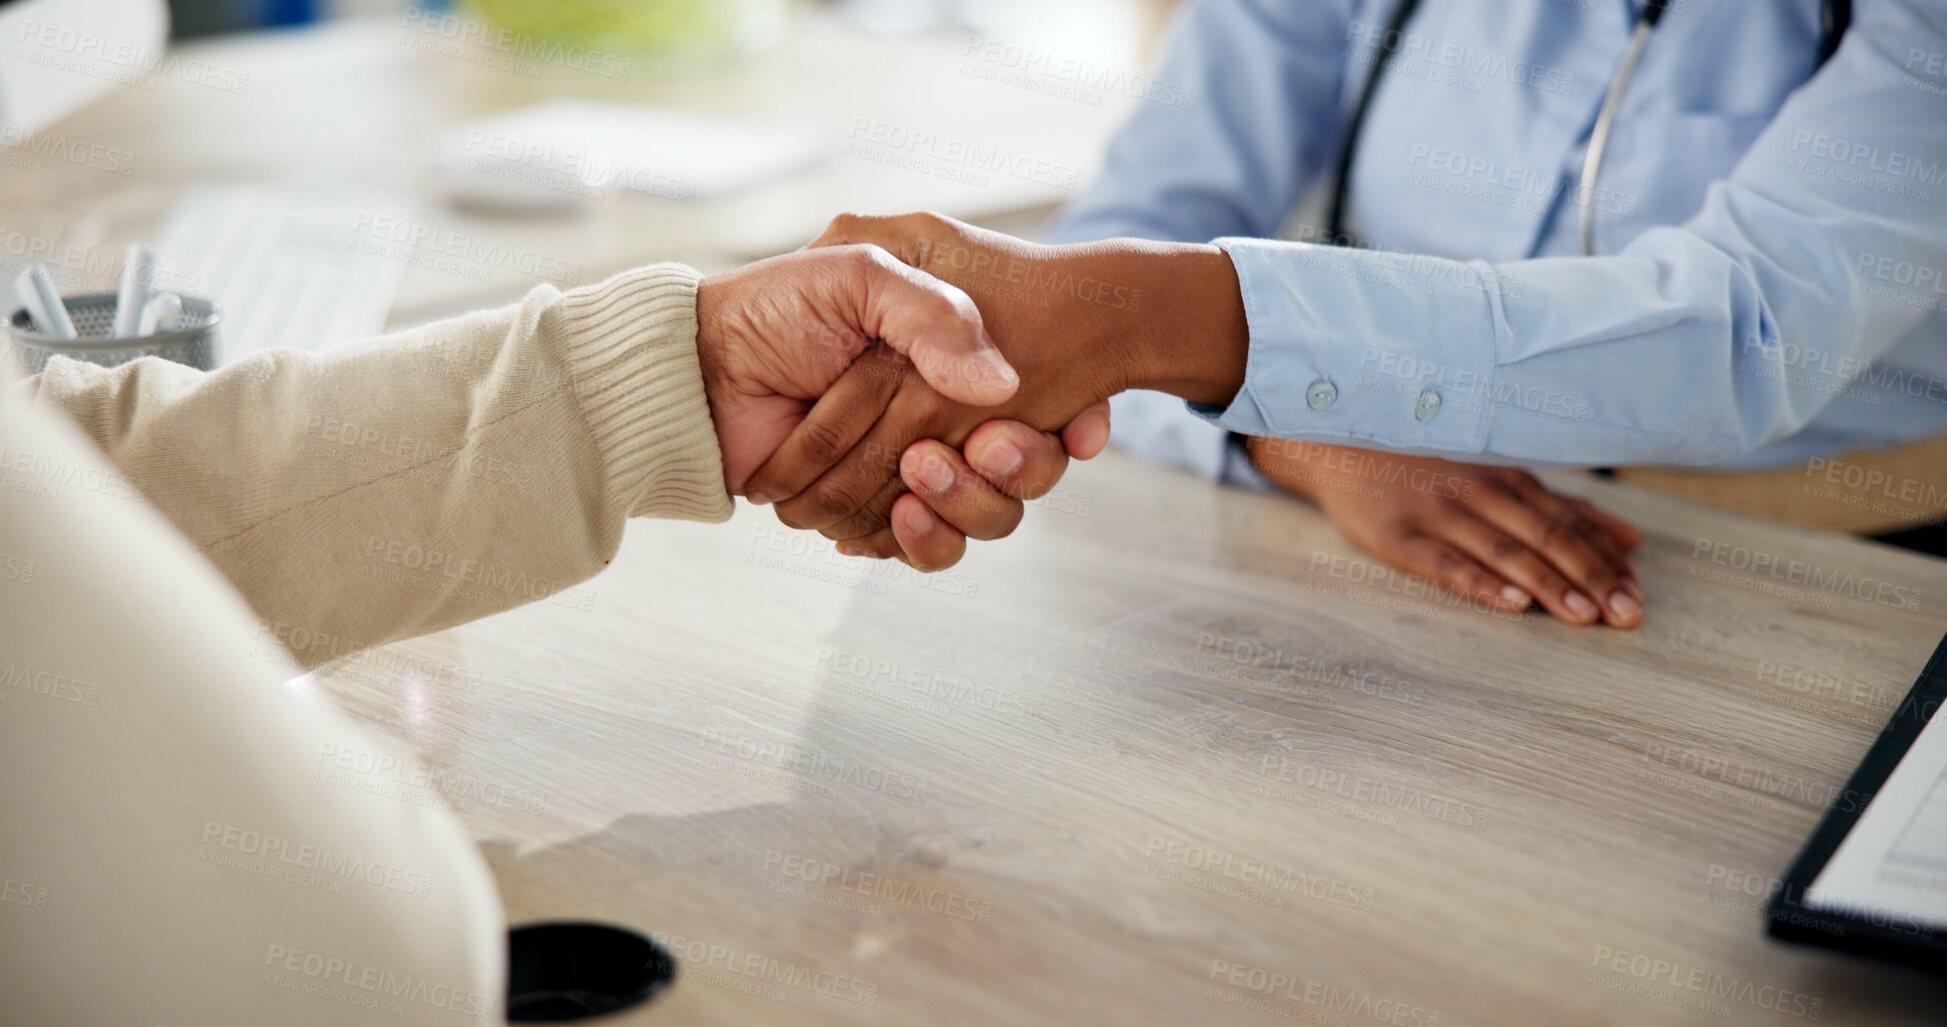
(398, 486)
(1668, 352)
(1252, 88)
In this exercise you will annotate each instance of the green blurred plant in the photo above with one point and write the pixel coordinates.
(671, 30)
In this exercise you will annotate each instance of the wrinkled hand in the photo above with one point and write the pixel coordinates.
(1071, 319)
(773, 336)
(1493, 534)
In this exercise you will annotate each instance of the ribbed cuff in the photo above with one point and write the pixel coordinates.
(631, 348)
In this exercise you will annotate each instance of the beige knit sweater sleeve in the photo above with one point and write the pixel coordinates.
(412, 482)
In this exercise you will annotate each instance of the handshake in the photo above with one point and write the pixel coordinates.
(904, 384)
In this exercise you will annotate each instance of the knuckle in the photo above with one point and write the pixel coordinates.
(1506, 549)
(997, 520)
(1550, 583)
(821, 442)
(761, 480)
(793, 514)
(1597, 549)
(1559, 529)
(832, 500)
(868, 258)
(1598, 576)
(1401, 538)
(930, 222)
(1499, 488)
(854, 526)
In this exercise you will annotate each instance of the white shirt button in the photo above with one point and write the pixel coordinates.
(1426, 406)
(1321, 394)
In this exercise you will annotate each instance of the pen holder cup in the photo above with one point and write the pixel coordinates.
(193, 342)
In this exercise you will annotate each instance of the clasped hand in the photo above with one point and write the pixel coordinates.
(894, 359)
(907, 371)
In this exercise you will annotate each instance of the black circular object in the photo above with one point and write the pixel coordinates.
(576, 971)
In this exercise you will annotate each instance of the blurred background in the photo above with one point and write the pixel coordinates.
(673, 25)
(328, 169)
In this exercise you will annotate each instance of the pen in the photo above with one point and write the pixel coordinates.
(138, 275)
(160, 314)
(43, 302)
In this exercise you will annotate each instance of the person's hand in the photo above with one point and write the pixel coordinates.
(979, 493)
(1080, 323)
(773, 336)
(1492, 534)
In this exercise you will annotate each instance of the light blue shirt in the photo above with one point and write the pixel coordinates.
(1770, 281)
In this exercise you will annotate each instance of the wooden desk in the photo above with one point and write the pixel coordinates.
(1168, 742)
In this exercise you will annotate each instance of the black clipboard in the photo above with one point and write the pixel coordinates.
(1880, 936)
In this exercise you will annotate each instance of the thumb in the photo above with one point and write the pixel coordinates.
(1088, 434)
(938, 328)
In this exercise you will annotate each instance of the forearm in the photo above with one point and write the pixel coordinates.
(409, 483)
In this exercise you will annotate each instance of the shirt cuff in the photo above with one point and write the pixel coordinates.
(1364, 347)
(631, 348)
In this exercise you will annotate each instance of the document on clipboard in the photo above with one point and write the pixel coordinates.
(1873, 877)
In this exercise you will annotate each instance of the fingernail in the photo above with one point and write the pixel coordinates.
(1624, 605)
(999, 459)
(989, 366)
(919, 519)
(850, 549)
(1515, 596)
(758, 498)
(1580, 605)
(934, 475)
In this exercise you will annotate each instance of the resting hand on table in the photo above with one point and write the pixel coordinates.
(1493, 534)
(1080, 323)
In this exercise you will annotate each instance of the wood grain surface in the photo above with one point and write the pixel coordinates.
(1176, 754)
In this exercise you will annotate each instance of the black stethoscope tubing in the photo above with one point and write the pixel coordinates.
(1835, 18)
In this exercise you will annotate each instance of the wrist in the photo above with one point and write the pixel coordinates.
(1194, 340)
(709, 357)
